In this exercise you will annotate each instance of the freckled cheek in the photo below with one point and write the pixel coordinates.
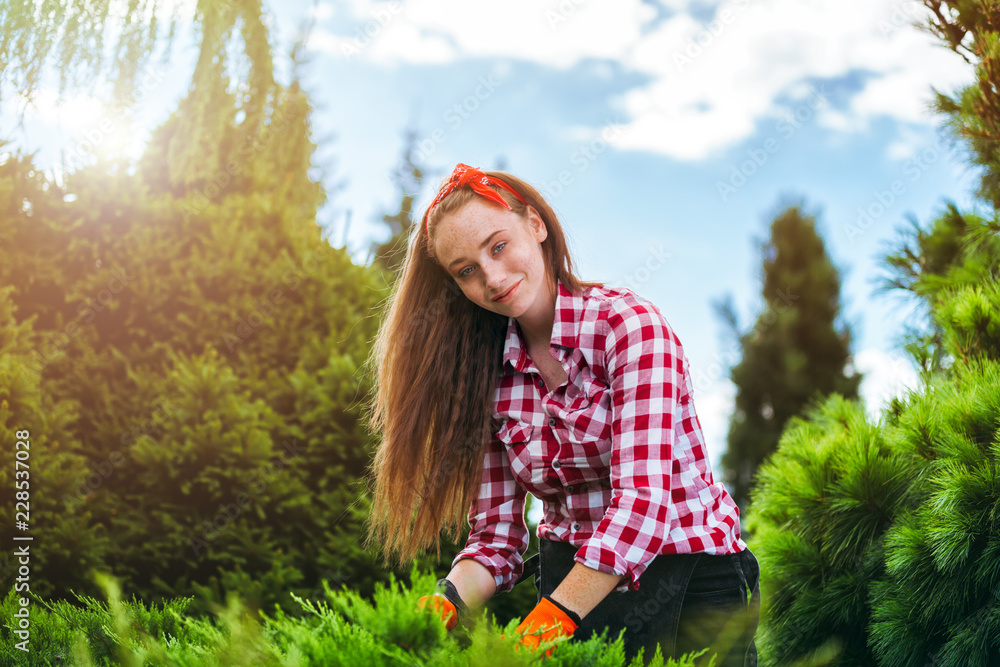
(523, 258)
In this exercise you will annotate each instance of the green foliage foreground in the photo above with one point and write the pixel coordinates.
(341, 629)
(883, 539)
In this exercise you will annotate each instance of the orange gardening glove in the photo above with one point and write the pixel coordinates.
(547, 621)
(443, 606)
(446, 602)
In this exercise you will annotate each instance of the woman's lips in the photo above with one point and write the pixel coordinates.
(510, 293)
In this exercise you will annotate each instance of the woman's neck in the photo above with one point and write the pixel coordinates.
(536, 323)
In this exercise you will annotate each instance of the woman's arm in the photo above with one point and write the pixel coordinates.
(646, 370)
(583, 588)
(498, 535)
(474, 582)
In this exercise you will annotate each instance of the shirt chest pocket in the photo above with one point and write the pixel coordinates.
(513, 432)
(588, 419)
(524, 455)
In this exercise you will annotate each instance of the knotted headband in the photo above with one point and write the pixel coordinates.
(478, 181)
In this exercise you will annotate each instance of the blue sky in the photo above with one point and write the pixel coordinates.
(666, 135)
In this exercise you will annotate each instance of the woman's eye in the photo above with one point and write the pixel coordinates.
(464, 272)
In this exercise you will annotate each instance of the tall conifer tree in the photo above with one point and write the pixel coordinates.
(407, 177)
(198, 353)
(794, 354)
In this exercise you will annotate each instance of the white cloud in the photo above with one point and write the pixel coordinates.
(372, 41)
(714, 406)
(714, 83)
(885, 376)
(710, 85)
(557, 34)
(905, 147)
(322, 11)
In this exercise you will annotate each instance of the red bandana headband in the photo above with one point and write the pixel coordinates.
(478, 181)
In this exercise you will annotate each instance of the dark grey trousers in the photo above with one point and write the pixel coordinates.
(685, 602)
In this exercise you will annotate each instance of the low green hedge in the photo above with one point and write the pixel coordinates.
(342, 628)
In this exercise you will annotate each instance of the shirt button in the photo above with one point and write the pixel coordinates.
(570, 488)
(552, 421)
(556, 464)
(540, 383)
(576, 526)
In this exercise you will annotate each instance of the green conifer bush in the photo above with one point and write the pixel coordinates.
(341, 629)
(883, 539)
(188, 364)
(940, 598)
(72, 541)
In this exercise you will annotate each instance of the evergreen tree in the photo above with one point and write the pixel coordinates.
(408, 178)
(879, 541)
(199, 344)
(794, 354)
(342, 630)
(970, 28)
(956, 253)
(956, 250)
(36, 434)
(76, 38)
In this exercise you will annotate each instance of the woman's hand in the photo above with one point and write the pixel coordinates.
(447, 602)
(443, 606)
(547, 621)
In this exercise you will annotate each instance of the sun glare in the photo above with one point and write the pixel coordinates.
(82, 129)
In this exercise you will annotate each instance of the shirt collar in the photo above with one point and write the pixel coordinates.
(565, 328)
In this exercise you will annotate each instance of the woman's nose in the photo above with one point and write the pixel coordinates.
(494, 275)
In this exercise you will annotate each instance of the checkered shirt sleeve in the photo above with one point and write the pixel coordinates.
(498, 536)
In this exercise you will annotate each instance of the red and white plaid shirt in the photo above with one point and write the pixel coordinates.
(615, 455)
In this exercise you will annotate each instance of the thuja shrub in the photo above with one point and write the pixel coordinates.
(880, 542)
(342, 628)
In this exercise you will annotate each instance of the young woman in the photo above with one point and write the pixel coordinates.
(501, 373)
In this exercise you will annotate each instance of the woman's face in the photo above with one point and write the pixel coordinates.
(488, 250)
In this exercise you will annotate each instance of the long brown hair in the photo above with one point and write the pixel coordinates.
(437, 360)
